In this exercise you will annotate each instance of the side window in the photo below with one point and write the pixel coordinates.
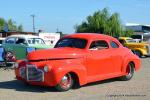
(20, 41)
(114, 44)
(10, 40)
(98, 45)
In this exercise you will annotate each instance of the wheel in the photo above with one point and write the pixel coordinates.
(65, 84)
(138, 53)
(9, 57)
(129, 71)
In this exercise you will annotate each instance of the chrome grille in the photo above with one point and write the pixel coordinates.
(34, 74)
(22, 72)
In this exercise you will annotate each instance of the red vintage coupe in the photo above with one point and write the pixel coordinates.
(78, 59)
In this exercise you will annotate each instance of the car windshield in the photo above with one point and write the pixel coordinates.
(72, 42)
(35, 41)
(136, 36)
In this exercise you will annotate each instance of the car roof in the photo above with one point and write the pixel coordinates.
(24, 36)
(89, 36)
(125, 38)
(2, 38)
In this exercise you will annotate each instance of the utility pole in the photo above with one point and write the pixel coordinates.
(33, 16)
(57, 30)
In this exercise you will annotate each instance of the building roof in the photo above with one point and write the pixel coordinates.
(24, 36)
(136, 24)
(138, 27)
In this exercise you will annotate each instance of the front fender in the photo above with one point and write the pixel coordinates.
(79, 70)
(143, 51)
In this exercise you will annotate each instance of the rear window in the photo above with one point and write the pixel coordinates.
(114, 44)
(35, 41)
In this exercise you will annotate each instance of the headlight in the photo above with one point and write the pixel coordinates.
(16, 65)
(46, 68)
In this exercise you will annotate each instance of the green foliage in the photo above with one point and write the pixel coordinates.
(127, 33)
(2, 23)
(11, 25)
(20, 28)
(102, 22)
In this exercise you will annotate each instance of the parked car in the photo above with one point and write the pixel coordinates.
(123, 40)
(140, 49)
(78, 59)
(145, 37)
(18, 46)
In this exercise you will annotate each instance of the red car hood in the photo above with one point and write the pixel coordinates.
(56, 53)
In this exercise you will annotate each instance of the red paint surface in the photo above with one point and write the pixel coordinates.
(89, 66)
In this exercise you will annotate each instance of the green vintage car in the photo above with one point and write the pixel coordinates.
(19, 46)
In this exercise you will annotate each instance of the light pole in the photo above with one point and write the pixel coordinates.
(33, 16)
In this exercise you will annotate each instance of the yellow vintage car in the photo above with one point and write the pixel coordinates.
(138, 48)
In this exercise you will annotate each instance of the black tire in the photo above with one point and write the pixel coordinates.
(130, 71)
(65, 84)
(138, 53)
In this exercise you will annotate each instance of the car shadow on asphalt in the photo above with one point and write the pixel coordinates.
(102, 82)
(20, 86)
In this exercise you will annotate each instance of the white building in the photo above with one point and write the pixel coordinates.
(138, 27)
(50, 38)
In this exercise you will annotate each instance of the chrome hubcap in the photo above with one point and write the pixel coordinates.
(66, 81)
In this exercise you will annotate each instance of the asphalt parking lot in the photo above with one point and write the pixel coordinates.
(138, 88)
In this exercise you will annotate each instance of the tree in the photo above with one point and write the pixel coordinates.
(127, 33)
(20, 28)
(10, 24)
(115, 25)
(2, 23)
(102, 22)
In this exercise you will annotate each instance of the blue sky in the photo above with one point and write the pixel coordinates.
(65, 14)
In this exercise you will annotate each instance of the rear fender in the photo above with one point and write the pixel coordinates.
(131, 58)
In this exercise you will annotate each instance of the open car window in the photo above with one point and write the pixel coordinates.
(98, 45)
